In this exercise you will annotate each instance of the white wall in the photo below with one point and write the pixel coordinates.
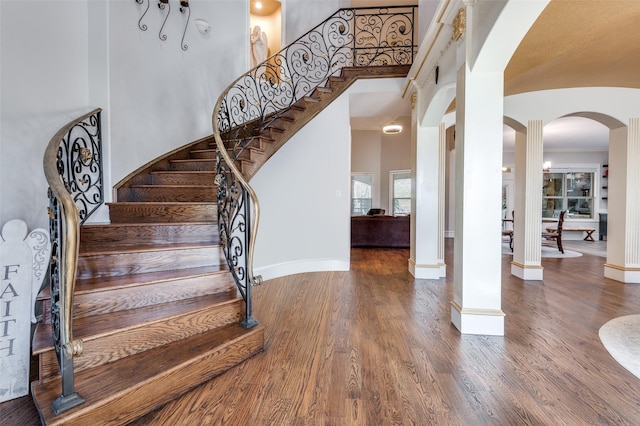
(396, 155)
(299, 16)
(303, 192)
(161, 96)
(366, 148)
(61, 58)
(43, 85)
(374, 152)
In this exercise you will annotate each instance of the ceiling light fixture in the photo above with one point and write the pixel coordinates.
(392, 129)
(258, 5)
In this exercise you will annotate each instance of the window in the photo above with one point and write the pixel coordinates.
(400, 192)
(571, 191)
(361, 190)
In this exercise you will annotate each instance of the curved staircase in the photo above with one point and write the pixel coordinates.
(155, 305)
(157, 308)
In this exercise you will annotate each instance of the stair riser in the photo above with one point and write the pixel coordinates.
(251, 155)
(104, 349)
(134, 294)
(148, 261)
(170, 194)
(272, 133)
(209, 154)
(132, 403)
(178, 178)
(120, 299)
(116, 235)
(155, 213)
(195, 165)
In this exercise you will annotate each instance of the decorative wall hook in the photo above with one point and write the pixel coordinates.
(164, 5)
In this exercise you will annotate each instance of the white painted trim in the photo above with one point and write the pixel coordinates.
(624, 275)
(427, 272)
(525, 272)
(301, 266)
(488, 322)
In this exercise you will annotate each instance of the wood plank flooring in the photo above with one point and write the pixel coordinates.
(373, 346)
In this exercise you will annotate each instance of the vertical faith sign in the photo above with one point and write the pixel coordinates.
(24, 259)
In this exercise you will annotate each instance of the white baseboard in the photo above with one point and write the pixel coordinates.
(301, 266)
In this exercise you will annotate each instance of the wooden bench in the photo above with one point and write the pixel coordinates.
(589, 231)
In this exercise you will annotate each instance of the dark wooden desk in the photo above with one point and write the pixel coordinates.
(380, 231)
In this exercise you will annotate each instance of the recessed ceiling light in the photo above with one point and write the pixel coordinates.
(258, 5)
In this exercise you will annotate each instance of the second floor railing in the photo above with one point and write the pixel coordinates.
(353, 37)
(73, 169)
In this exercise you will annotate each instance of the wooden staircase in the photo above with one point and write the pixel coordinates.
(155, 304)
(266, 142)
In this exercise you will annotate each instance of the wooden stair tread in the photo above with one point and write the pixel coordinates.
(93, 284)
(164, 203)
(99, 325)
(162, 211)
(143, 225)
(165, 186)
(122, 281)
(191, 160)
(129, 231)
(195, 172)
(102, 249)
(116, 390)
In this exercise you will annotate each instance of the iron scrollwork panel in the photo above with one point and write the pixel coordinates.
(385, 37)
(233, 224)
(79, 164)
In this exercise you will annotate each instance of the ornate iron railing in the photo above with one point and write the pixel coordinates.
(73, 168)
(355, 37)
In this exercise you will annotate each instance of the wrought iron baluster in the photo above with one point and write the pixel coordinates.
(73, 168)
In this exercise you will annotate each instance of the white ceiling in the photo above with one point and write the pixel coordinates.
(576, 33)
(371, 111)
(567, 134)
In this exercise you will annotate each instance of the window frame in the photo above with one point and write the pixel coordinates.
(594, 196)
(373, 192)
(392, 197)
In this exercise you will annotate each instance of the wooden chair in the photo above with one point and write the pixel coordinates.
(509, 232)
(556, 235)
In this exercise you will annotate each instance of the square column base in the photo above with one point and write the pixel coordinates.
(428, 272)
(526, 272)
(622, 274)
(488, 322)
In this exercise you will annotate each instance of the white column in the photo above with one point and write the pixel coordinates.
(527, 224)
(476, 305)
(623, 228)
(427, 211)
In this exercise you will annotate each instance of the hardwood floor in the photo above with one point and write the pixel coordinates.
(373, 346)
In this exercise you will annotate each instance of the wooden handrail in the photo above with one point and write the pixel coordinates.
(65, 229)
